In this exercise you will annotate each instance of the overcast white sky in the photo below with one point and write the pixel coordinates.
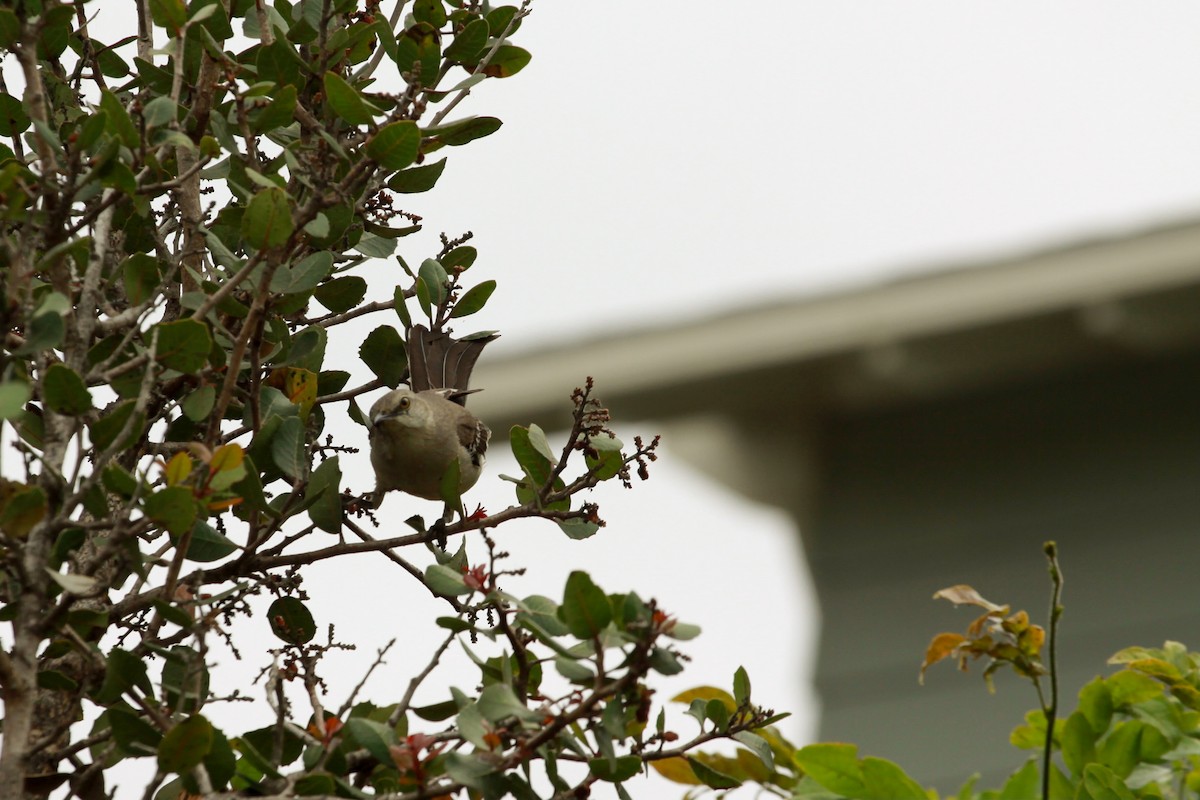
(661, 160)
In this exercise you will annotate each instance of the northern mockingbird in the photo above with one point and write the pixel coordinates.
(418, 431)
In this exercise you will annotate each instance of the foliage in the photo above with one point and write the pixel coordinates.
(1134, 735)
(188, 210)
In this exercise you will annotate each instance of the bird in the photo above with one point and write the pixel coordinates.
(417, 432)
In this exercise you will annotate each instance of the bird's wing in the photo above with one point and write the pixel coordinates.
(473, 435)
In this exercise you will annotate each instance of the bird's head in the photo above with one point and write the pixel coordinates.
(398, 407)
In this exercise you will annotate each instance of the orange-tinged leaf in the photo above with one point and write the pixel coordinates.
(706, 693)
(221, 505)
(942, 646)
(676, 770)
(178, 468)
(226, 457)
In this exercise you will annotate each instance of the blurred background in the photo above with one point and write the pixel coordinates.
(907, 288)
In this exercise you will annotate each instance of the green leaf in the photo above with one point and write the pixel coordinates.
(578, 529)
(141, 277)
(445, 581)
(1078, 743)
(174, 508)
(184, 679)
(475, 298)
(13, 397)
(104, 431)
(268, 219)
(585, 609)
(430, 11)
(535, 464)
(435, 279)
(174, 614)
(133, 735)
(287, 447)
(543, 612)
(159, 111)
(498, 702)
(1127, 744)
(1022, 784)
(325, 484)
(834, 766)
(741, 686)
(383, 353)
(56, 681)
(46, 331)
(396, 144)
(574, 671)
(291, 621)
(374, 246)
(185, 746)
(615, 770)
(374, 736)
(418, 52)
(303, 276)
(220, 763)
(123, 671)
(342, 293)
(208, 544)
(1096, 703)
(467, 770)
(1127, 688)
(183, 345)
(507, 61)
(417, 179)
(468, 43)
(316, 784)
(21, 508)
(499, 19)
(199, 404)
(346, 102)
(757, 745)
(885, 779)
(65, 392)
(711, 777)
(10, 29)
(462, 131)
(13, 119)
(278, 113)
(169, 14)
(1102, 784)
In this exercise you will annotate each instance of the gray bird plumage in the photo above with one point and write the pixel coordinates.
(415, 436)
(418, 431)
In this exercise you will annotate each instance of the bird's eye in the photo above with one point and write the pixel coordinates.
(404, 402)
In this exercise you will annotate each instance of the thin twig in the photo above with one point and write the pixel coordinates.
(1051, 710)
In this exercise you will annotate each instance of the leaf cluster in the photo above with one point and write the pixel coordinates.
(189, 215)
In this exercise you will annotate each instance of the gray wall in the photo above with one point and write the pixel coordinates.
(965, 490)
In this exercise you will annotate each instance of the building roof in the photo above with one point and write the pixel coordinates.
(939, 331)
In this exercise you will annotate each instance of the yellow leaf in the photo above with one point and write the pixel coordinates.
(676, 770)
(300, 386)
(178, 468)
(227, 457)
(706, 693)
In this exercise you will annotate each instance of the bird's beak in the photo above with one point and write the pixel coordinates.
(378, 418)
